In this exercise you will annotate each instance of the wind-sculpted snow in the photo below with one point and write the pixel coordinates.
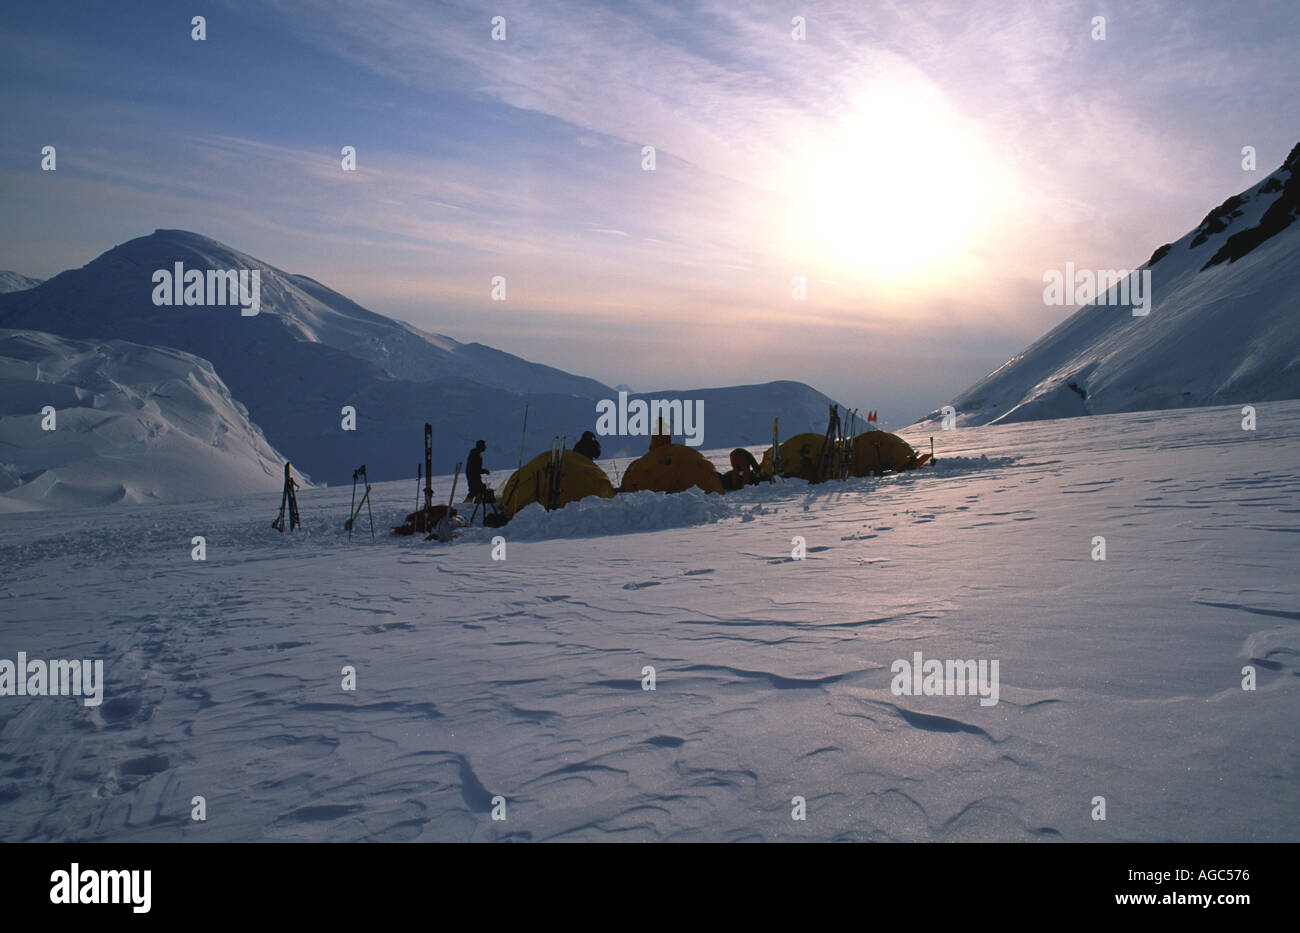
(520, 680)
(87, 423)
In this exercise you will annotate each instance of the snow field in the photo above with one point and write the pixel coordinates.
(523, 677)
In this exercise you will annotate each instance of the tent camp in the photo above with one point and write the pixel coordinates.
(579, 478)
(671, 468)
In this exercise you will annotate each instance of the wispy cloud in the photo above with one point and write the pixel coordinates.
(919, 164)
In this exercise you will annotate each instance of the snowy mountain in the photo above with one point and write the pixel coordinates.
(130, 424)
(116, 292)
(308, 352)
(1223, 326)
(13, 282)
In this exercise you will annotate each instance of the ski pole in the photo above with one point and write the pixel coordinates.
(522, 437)
(352, 509)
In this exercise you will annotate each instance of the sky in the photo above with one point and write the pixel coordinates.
(918, 165)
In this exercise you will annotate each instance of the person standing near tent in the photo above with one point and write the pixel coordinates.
(588, 446)
(474, 473)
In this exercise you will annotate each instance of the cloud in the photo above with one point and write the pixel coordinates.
(1009, 142)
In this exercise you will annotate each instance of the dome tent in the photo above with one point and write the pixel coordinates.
(579, 478)
(799, 456)
(671, 468)
(878, 451)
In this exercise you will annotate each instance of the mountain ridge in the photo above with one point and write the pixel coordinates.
(16, 282)
(310, 353)
(1221, 328)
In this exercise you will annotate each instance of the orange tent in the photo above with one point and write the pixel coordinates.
(671, 468)
(879, 451)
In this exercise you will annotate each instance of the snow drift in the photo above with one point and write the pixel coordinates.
(130, 424)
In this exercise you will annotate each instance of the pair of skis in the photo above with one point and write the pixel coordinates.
(436, 532)
(836, 458)
(365, 500)
(289, 500)
(826, 459)
(554, 473)
(846, 444)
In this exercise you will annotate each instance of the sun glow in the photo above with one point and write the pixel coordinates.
(896, 192)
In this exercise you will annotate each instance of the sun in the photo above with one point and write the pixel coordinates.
(893, 191)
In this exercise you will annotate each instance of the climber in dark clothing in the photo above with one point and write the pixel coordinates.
(588, 446)
(744, 470)
(474, 473)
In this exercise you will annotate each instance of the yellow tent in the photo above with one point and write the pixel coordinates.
(799, 456)
(877, 451)
(535, 482)
(671, 468)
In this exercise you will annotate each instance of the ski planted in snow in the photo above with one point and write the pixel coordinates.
(523, 436)
(289, 500)
(365, 500)
(826, 458)
(510, 488)
(455, 479)
(776, 449)
(557, 473)
(846, 467)
(446, 533)
(541, 495)
(428, 477)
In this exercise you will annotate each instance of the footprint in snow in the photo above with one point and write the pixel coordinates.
(640, 586)
(146, 766)
(665, 741)
(792, 560)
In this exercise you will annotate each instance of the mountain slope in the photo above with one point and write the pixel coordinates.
(307, 354)
(13, 282)
(131, 424)
(114, 292)
(1223, 327)
(310, 352)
